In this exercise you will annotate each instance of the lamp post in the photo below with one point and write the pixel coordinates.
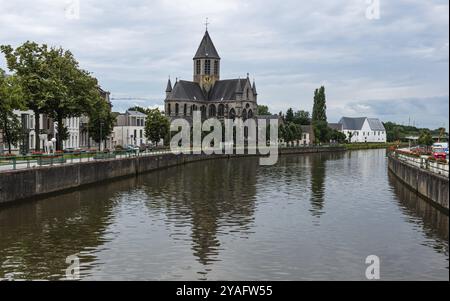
(101, 136)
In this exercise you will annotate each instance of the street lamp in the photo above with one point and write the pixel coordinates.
(101, 136)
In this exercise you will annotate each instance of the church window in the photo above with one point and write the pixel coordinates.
(216, 67)
(207, 67)
(185, 110)
(250, 114)
(221, 110)
(198, 67)
(169, 111)
(248, 93)
(177, 109)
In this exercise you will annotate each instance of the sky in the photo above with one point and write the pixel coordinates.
(376, 58)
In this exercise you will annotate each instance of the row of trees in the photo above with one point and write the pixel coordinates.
(48, 80)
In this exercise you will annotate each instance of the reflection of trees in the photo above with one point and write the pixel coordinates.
(215, 196)
(433, 221)
(36, 237)
(317, 184)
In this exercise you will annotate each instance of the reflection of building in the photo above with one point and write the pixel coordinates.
(207, 93)
(130, 129)
(363, 129)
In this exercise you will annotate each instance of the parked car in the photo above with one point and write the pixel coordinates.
(132, 148)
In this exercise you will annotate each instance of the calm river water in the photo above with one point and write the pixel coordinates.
(310, 217)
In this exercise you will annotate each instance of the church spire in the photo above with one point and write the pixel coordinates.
(206, 50)
(254, 87)
(169, 86)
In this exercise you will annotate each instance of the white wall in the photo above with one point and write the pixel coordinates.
(366, 135)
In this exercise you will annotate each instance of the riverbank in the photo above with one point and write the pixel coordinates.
(427, 184)
(360, 146)
(16, 185)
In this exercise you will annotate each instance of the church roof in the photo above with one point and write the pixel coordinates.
(349, 123)
(375, 124)
(169, 86)
(222, 90)
(206, 49)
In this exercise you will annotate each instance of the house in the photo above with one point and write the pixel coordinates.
(307, 135)
(130, 129)
(363, 129)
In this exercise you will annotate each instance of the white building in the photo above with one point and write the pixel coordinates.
(363, 129)
(73, 129)
(130, 129)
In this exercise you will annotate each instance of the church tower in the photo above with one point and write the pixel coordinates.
(206, 64)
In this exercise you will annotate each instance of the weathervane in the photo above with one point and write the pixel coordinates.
(206, 24)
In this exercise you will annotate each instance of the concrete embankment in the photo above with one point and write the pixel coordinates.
(429, 185)
(36, 182)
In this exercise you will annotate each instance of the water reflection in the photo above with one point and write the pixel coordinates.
(211, 202)
(36, 237)
(318, 173)
(420, 212)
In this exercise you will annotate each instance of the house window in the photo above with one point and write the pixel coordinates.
(198, 67)
(207, 67)
(140, 133)
(216, 67)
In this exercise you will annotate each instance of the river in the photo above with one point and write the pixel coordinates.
(310, 217)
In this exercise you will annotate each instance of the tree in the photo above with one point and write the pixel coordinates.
(426, 138)
(319, 116)
(263, 110)
(28, 63)
(72, 91)
(302, 118)
(138, 109)
(289, 115)
(157, 126)
(10, 99)
(337, 136)
(101, 120)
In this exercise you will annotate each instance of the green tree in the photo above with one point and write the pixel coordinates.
(101, 120)
(263, 110)
(139, 109)
(337, 136)
(289, 115)
(302, 118)
(426, 138)
(28, 63)
(157, 126)
(10, 99)
(72, 91)
(319, 116)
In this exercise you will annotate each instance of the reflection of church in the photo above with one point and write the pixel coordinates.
(208, 94)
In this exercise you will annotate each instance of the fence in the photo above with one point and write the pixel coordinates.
(424, 162)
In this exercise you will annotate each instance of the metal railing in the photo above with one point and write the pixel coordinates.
(424, 162)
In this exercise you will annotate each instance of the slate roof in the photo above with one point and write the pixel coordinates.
(222, 90)
(135, 113)
(350, 123)
(335, 126)
(356, 124)
(375, 124)
(206, 49)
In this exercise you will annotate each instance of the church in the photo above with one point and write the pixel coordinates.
(207, 93)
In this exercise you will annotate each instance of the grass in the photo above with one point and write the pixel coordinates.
(357, 146)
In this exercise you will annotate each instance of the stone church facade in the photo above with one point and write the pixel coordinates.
(207, 93)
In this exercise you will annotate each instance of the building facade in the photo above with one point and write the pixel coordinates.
(363, 129)
(208, 93)
(130, 129)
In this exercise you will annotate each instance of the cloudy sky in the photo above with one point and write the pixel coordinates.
(394, 65)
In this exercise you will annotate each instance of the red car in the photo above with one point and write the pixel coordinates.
(439, 153)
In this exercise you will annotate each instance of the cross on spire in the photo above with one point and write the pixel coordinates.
(206, 24)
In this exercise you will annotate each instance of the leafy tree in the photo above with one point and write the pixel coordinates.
(28, 63)
(319, 116)
(10, 99)
(101, 120)
(157, 126)
(263, 110)
(302, 118)
(337, 136)
(139, 109)
(290, 132)
(289, 115)
(426, 138)
(72, 90)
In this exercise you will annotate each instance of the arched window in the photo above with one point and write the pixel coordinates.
(177, 109)
(203, 111)
(250, 114)
(232, 114)
(169, 109)
(198, 67)
(244, 114)
(207, 67)
(247, 106)
(216, 67)
(185, 110)
(221, 110)
(248, 94)
(212, 110)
